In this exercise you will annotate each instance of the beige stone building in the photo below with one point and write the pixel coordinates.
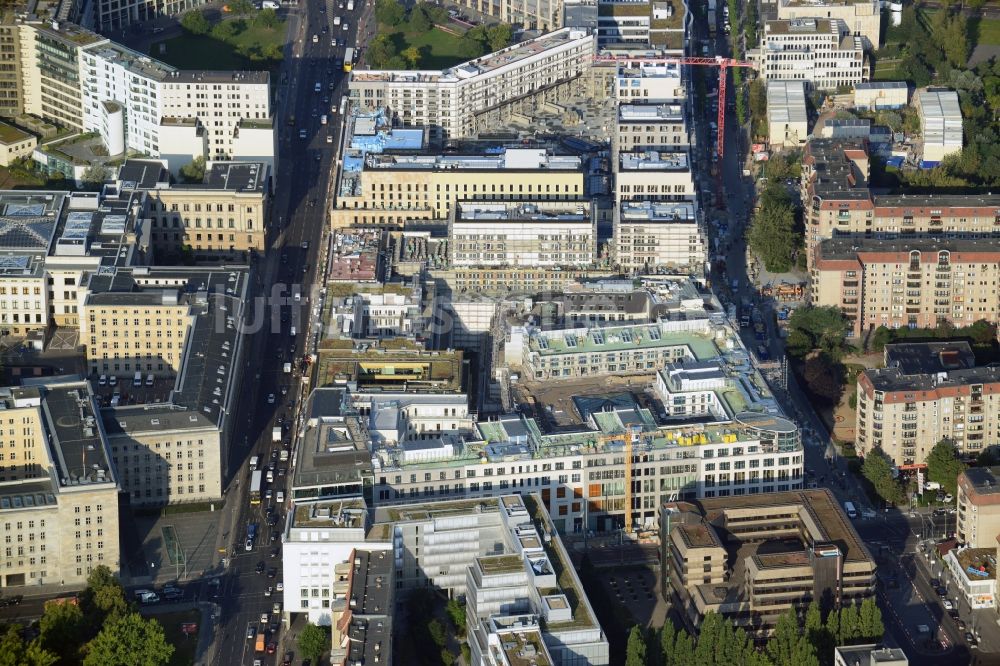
(861, 18)
(227, 213)
(652, 175)
(927, 392)
(14, 143)
(979, 506)
(58, 489)
(651, 236)
(907, 283)
(392, 188)
(750, 558)
(11, 99)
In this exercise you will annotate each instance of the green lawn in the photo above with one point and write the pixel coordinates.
(988, 32)
(197, 51)
(444, 47)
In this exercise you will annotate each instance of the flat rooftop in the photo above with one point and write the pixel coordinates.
(10, 134)
(28, 494)
(657, 211)
(523, 648)
(850, 247)
(515, 159)
(334, 447)
(650, 113)
(237, 176)
(133, 61)
(801, 26)
(698, 340)
(142, 174)
(653, 160)
(99, 226)
(915, 358)
(28, 219)
(488, 211)
(340, 514)
(786, 102)
(71, 418)
(981, 560)
(251, 76)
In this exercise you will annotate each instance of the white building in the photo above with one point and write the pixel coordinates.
(861, 18)
(877, 95)
(652, 236)
(649, 83)
(522, 233)
(787, 116)
(817, 51)
(940, 124)
(462, 100)
(651, 175)
(651, 126)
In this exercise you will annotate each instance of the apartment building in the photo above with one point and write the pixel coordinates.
(390, 188)
(817, 51)
(11, 97)
(861, 18)
(491, 553)
(14, 143)
(480, 94)
(653, 175)
(940, 124)
(654, 236)
(751, 558)
(523, 233)
(27, 223)
(914, 283)
(82, 81)
(544, 16)
(58, 488)
(979, 507)
(660, 24)
(225, 214)
(927, 392)
(787, 116)
(651, 126)
(362, 625)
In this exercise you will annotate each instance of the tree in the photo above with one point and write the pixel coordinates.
(944, 465)
(771, 235)
(226, 30)
(781, 645)
(380, 51)
(668, 635)
(419, 22)
(870, 625)
(823, 376)
(412, 56)
(820, 328)
(95, 175)
(635, 652)
(195, 171)
(456, 613)
(499, 36)
(313, 642)
(129, 640)
(266, 18)
(684, 649)
(196, 23)
(104, 597)
(878, 470)
(389, 12)
(63, 630)
(437, 633)
(241, 7)
(15, 652)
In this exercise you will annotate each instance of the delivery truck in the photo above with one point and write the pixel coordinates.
(276, 434)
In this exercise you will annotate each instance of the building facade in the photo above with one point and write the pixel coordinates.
(978, 521)
(861, 18)
(787, 118)
(815, 51)
(652, 237)
(474, 96)
(926, 393)
(940, 124)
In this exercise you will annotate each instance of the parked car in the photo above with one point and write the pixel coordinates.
(948, 604)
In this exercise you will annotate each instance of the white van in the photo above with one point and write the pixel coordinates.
(322, 119)
(293, 331)
(849, 509)
(253, 462)
(270, 476)
(137, 380)
(336, 20)
(149, 379)
(280, 497)
(270, 4)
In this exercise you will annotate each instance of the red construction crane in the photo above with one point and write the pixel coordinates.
(718, 61)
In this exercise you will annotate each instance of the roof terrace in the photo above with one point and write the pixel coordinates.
(653, 160)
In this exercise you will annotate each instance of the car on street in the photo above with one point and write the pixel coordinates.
(251, 632)
(971, 640)
(287, 661)
(270, 398)
(263, 618)
(960, 624)
(272, 572)
(942, 592)
(272, 647)
(948, 604)
(279, 586)
(275, 552)
(260, 568)
(269, 591)
(935, 583)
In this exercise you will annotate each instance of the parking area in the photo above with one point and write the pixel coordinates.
(638, 589)
(180, 546)
(150, 390)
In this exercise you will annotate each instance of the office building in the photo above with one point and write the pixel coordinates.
(482, 94)
(813, 50)
(14, 143)
(787, 116)
(179, 329)
(652, 175)
(927, 392)
(651, 126)
(880, 95)
(751, 558)
(111, 16)
(868, 655)
(81, 81)
(979, 507)
(860, 18)
(913, 283)
(492, 553)
(225, 214)
(660, 24)
(652, 236)
(523, 233)
(374, 311)
(940, 124)
(11, 94)
(387, 189)
(58, 488)
(648, 83)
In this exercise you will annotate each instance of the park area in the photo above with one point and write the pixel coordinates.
(181, 630)
(426, 37)
(246, 39)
